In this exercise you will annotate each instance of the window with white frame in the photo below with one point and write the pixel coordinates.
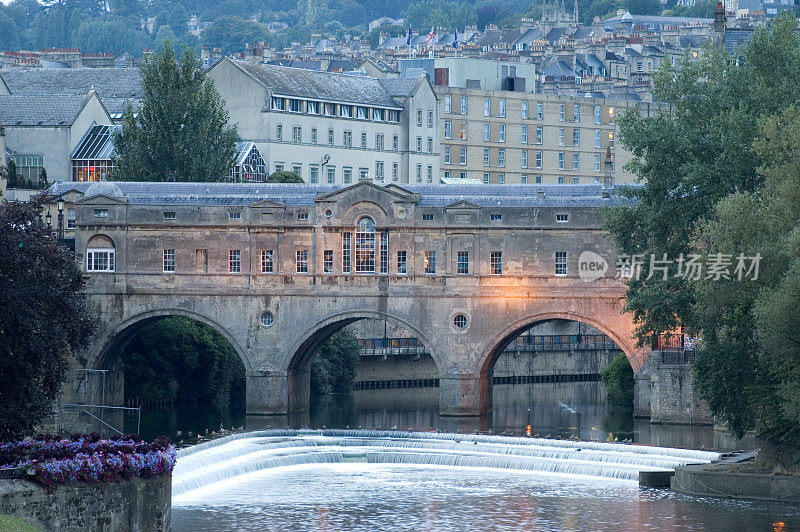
(312, 108)
(502, 108)
(524, 158)
(487, 132)
(267, 261)
(70, 218)
(486, 160)
(277, 103)
(378, 115)
(576, 161)
(395, 171)
(576, 113)
(463, 155)
(562, 112)
(598, 114)
(501, 133)
(379, 141)
(430, 174)
(347, 246)
(297, 135)
(234, 261)
(100, 259)
(430, 118)
(295, 105)
(313, 135)
(365, 246)
(447, 104)
(539, 157)
(463, 105)
(419, 173)
(597, 139)
(561, 263)
(331, 175)
(501, 179)
(429, 262)
(487, 107)
(525, 110)
(346, 111)
(576, 137)
(430, 144)
(347, 174)
(347, 139)
(419, 117)
(496, 262)
(486, 178)
(363, 140)
(401, 262)
(539, 134)
(462, 263)
(362, 113)
(168, 262)
(539, 111)
(523, 179)
(395, 142)
(330, 137)
(447, 129)
(524, 134)
(596, 162)
(561, 136)
(419, 144)
(379, 170)
(302, 261)
(279, 132)
(447, 155)
(501, 158)
(313, 173)
(561, 160)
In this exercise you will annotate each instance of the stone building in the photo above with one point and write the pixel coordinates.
(517, 137)
(333, 128)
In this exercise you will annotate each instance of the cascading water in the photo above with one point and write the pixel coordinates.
(243, 454)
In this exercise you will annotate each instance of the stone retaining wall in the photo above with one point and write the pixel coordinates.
(136, 504)
(711, 480)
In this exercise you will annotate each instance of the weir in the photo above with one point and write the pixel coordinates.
(242, 454)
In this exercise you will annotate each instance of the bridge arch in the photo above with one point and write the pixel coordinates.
(301, 351)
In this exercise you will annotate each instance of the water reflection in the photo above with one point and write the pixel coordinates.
(562, 410)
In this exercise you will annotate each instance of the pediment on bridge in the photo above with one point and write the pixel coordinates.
(366, 190)
(101, 199)
(462, 204)
(267, 204)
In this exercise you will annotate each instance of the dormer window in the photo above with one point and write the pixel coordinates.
(234, 216)
(101, 213)
(302, 215)
(496, 217)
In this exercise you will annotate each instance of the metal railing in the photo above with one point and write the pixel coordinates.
(391, 346)
(103, 419)
(678, 355)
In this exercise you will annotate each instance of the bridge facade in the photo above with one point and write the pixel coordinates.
(277, 269)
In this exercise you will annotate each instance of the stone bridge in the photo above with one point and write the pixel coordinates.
(277, 269)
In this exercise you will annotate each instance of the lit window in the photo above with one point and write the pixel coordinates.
(365, 246)
(429, 260)
(327, 261)
(267, 261)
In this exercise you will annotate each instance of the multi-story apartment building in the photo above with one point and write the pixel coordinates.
(517, 137)
(334, 128)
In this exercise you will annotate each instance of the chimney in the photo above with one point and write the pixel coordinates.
(608, 175)
(719, 24)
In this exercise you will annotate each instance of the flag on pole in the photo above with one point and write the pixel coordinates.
(455, 38)
(408, 36)
(430, 37)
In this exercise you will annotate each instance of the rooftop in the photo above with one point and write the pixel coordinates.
(39, 110)
(298, 195)
(107, 82)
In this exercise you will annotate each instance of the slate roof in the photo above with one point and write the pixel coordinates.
(107, 82)
(558, 69)
(399, 87)
(320, 85)
(298, 195)
(39, 109)
(734, 38)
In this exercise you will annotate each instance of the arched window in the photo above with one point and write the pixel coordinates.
(365, 246)
(100, 254)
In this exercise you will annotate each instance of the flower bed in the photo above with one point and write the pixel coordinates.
(51, 461)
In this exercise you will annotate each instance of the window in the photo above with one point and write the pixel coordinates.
(235, 261)
(524, 134)
(71, 218)
(302, 216)
(395, 143)
(575, 161)
(523, 179)
(597, 139)
(363, 173)
(596, 162)
(539, 134)
(234, 216)
(561, 263)
(168, 215)
(485, 178)
(460, 321)
(447, 129)
(419, 144)
(562, 112)
(562, 217)
(279, 133)
(501, 133)
(294, 105)
(429, 260)
(496, 217)
(427, 217)
(576, 180)
(277, 103)
(377, 115)
(539, 111)
(538, 159)
(395, 171)
(363, 140)
(302, 261)
(298, 169)
(487, 107)
(101, 213)
(312, 108)
(462, 263)
(267, 261)
(538, 179)
(463, 155)
(401, 262)
(447, 155)
(598, 114)
(169, 260)
(447, 174)
(525, 110)
(502, 109)
(347, 174)
(346, 111)
(393, 116)
(496, 262)
(384, 253)
(576, 137)
(463, 105)
(462, 175)
(561, 136)
(313, 173)
(430, 145)
(379, 170)
(331, 175)
(362, 113)
(524, 163)
(576, 113)
(313, 135)
(486, 159)
(561, 180)
(365, 246)
(501, 179)
(561, 160)
(430, 118)
(330, 137)
(501, 158)
(327, 261)
(346, 252)
(447, 103)
(419, 117)
(100, 259)
(430, 174)
(419, 173)
(347, 139)
(487, 132)
(297, 136)
(463, 133)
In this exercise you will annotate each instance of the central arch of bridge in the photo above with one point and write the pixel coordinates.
(306, 345)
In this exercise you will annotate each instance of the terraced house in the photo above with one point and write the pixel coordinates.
(334, 128)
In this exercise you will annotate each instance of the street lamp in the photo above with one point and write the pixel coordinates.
(49, 218)
(60, 217)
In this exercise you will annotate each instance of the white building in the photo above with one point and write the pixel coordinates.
(333, 128)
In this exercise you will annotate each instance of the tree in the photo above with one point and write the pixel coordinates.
(43, 179)
(444, 13)
(9, 38)
(333, 368)
(284, 177)
(45, 317)
(179, 20)
(231, 33)
(705, 193)
(618, 380)
(13, 177)
(181, 132)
